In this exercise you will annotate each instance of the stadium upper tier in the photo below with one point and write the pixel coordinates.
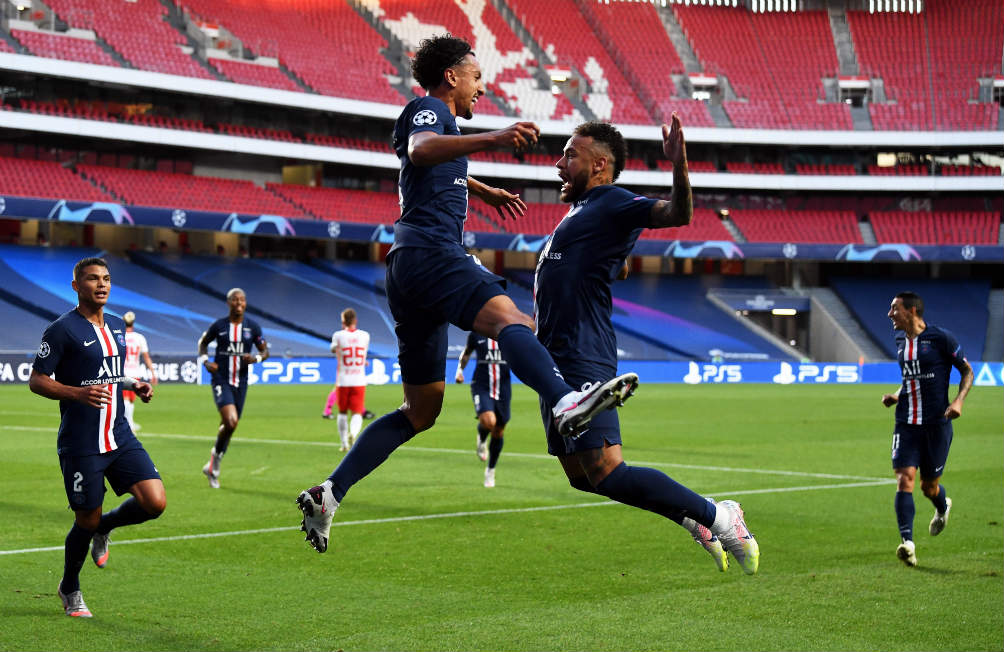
(773, 70)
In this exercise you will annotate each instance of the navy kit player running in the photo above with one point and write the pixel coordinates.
(577, 265)
(491, 391)
(80, 364)
(923, 433)
(235, 335)
(432, 282)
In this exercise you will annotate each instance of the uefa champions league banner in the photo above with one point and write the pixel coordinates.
(277, 225)
(16, 369)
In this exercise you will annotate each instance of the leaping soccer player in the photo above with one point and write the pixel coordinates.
(432, 281)
(573, 306)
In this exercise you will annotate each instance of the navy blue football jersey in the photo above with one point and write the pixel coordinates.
(433, 198)
(926, 362)
(579, 261)
(491, 372)
(233, 341)
(77, 353)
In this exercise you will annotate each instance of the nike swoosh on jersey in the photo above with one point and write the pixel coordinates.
(89, 343)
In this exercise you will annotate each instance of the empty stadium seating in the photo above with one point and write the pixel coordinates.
(254, 74)
(936, 228)
(825, 169)
(706, 225)
(342, 205)
(136, 30)
(326, 44)
(636, 37)
(834, 227)
(46, 179)
(54, 46)
(173, 190)
(562, 30)
(908, 170)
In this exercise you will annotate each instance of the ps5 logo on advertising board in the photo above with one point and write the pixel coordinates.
(713, 373)
(814, 373)
(293, 371)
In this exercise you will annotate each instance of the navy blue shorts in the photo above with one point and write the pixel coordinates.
(427, 290)
(483, 402)
(923, 446)
(605, 427)
(226, 394)
(84, 475)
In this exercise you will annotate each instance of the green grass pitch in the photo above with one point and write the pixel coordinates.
(422, 557)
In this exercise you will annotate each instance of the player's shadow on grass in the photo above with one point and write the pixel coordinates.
(939, 571)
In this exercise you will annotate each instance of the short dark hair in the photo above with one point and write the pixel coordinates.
(606, 133)
(349, 316)
(434, 56)
(912, 300)
(87, 262)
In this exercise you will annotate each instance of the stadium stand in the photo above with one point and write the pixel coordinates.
(254, 74)
(744, 167)
(909, 170)
(137, 30)
(825, 169)
(563, 30)
(29, 178)
(342, 205)
(23, 328)
(833, 227)
(775, 61)
(326, 44)
(174, 190)
(245, 131)
(706, 225)
(970, 170)
(958, 305)
(55, 46)
(68, 108)
(936, 228)
(635, 36)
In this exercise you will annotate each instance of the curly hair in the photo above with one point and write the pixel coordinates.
(606, 133)
(434, 56)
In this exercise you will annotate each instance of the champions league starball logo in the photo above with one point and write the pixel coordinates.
(43, 349)
(178, 218)
(189, 372)
(334, 229)
(425, 117)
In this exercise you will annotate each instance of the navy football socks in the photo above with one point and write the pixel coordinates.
(483, 433)
(939, 501)
(655, 491)
(531, 362)
(374, 445)
(78, 541)
(128, 513)
(222, 442)
(905, 512)
(494, 448)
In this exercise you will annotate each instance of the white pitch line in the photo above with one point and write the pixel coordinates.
(536, 456)
(426, 517)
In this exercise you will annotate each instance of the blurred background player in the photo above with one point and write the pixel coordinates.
(79, 364)
(234, 335)
(923, 432)
(573, 306)
(491, 391)
(350, 346)
(135, 348)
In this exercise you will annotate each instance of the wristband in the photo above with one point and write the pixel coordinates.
(203, 358)
(257, 358)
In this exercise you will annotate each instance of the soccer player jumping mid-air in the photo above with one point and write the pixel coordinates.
(573, 305)
(432, 281)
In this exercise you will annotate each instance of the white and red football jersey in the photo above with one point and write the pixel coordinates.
(135, 345)
(350, 347)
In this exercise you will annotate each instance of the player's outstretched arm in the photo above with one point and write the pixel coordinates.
(507, 204)
(96, 396)
(679, 210)
(427, 148)
(954, 409)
